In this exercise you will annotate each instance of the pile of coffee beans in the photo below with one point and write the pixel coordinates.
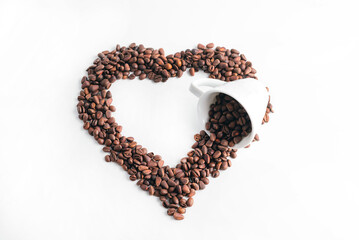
(175, 186)
(228, 121)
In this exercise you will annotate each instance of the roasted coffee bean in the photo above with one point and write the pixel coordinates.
(151, 190)
(179, 73)
(217, 154)
(212, 137)
(201, 46)
(185, 189)
(178, 216)
(210, 45)
(183, 202)
(164, 184)
(163, 191)
(169, 183)
(189, 202)
(158, 181)
(171, 211)
(215, 174)
(192, 193)
(147, 172)
(197, 137)
(181, 210)
(224, 165)
(184, 181)
(172, 205)
(202, 185)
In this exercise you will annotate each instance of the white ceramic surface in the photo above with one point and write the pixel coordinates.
(250, 93)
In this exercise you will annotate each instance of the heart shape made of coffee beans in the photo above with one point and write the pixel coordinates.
(175, 186)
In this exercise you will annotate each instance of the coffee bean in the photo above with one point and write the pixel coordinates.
(192, 193)
(171, 183)
(217, 154)
(185, 189)
(210, 45)
(215, 174)
(168, 66)
(142, 76)
(181, 210)
(184, 181)
(164, 184)
(201, 46)
(248, 70)
(178, 216)
(179, 73)
(171, 211)
(180, 175)
(151, 190)
(158, 181)
(205, 181)
(163, 191)
(212, 137)
(146, 172)
(197, 137)
(224, 166)
(237, 139)
(190, 202)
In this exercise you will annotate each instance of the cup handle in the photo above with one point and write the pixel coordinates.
(197, 86)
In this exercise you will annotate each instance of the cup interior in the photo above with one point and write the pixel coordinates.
(203, 107)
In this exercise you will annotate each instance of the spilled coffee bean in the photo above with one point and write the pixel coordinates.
(174, 186)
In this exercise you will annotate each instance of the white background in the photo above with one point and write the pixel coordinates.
(299, 182)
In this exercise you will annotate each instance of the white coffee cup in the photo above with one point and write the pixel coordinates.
(250, 93)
